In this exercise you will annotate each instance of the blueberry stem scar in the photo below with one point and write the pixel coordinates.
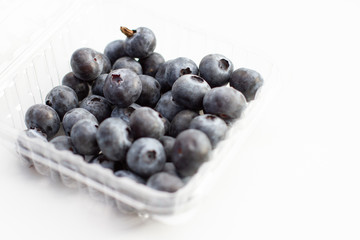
(127, 32)
(116, 77)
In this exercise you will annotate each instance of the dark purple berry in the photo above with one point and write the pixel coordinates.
(114, 138)
(216, 69)
(225, 102)
(75, 115)
(122, 87)
(140, 42)
(129, 63)
(189, 91)
(98, 106)
(181, 122)
(44, 118)
(79, 86)
(86, 64)
(125, 113)
(83, 137)
(146, 157)
(62, 99)
(167, 106)
(214, 127)
(98, 85)
(190, 151)
(146, 122)
(247, 81)
(179, 67)
(151, 63)
(150, 93)
(115, 50)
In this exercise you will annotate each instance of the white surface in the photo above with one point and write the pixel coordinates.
(297, 177)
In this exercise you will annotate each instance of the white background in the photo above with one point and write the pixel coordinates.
(298, 175)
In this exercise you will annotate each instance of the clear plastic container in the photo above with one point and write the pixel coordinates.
(40, 66)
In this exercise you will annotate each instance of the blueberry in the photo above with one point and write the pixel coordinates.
(129, 63)
(168, 144)
(122, 87)
(62, 99)
(139, 43)
(225, 102)
(80, 87)
(75, 115)
(189, 91)
(161, 76)
(246, 81)
(98, 106)
(181, 122)
(165, 182)
(115, 50)
(125, 113)
(216, 69)
(114, 138)
(170, 168)
(146, 122)
(190, 151)
(98, 85)
(150, 93)
(166, 125)
(86, 64)
(146, 157)
(106, 63)
(83, 137)
(44, 118)
(179, 67)
(129, 174)
(63, 143)
(103, 161)
(167, 106)
(151, 63)
(214, 127)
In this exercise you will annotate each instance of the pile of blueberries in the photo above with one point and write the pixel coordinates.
(145, 118)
